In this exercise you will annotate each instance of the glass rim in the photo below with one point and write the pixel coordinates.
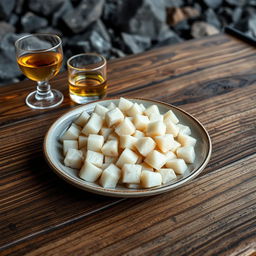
(87, 69)
(35, 35)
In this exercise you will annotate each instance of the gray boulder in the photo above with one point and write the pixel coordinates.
(213, 3)
(141, 17)
(60, 12)
(44, 7)
(6, 7)
(5, 28)
(8, 56)
(31, 22)
(83, 15)
(136, 43)
(212, 18)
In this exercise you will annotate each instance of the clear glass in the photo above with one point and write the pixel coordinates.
(87, 76)
(39, 57)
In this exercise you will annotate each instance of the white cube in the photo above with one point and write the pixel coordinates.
(95, 142)
(186, 140)
(100, 110)
(142, 107)
(171, 128)
(175, 146)
(164, 142)
(140, 122)
(178, 165)
(171, 116)
(110, 176)
(90, 172)
(93, 125)
(82, 119)
(114, 116)
(150, 179)
(155, 117)
(72, 133)
(84, 151)
(146, 167)
(184, 129)
(124, 104)
(134, 110)
(82, 141)
(67, 144)
(138, 134)
(111, 106)
(95, 158)
(152, 109)
(167, 175)
(128, 141)
(127, 157)
(186, 153)
(105, 132)
(131, 173)
(156, 159)
(110, 148)
(110, 159)
(76, 126)
(157, 128)
(170, 155)
(125, 128)
(74, 158)
(145, 145)
(113, 136)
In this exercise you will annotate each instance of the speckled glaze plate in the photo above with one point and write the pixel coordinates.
(54, 157)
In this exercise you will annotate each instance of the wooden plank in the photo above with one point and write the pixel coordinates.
(213, 215)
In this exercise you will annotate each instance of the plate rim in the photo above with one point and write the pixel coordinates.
(126, 193)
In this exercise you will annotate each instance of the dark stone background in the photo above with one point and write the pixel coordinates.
(115, 28)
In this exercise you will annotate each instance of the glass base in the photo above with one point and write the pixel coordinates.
(83, 99)
(50, 102)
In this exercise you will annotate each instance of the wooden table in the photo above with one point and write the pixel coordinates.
(214, 79)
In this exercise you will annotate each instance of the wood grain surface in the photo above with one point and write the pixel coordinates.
(214, 79)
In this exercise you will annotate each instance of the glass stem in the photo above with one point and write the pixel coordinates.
(43, 91)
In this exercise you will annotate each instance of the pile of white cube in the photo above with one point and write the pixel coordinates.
(129, 145)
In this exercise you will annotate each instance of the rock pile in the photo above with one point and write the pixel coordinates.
(116, 28)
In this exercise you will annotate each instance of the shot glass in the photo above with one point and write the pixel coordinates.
(87, 77)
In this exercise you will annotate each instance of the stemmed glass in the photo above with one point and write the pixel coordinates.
(39, 57)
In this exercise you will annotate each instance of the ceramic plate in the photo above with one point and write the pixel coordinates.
(54, 157)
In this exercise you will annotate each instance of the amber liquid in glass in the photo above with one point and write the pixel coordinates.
(40, 66)
(87, 85)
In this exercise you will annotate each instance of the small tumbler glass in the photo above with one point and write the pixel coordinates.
(87, 77)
